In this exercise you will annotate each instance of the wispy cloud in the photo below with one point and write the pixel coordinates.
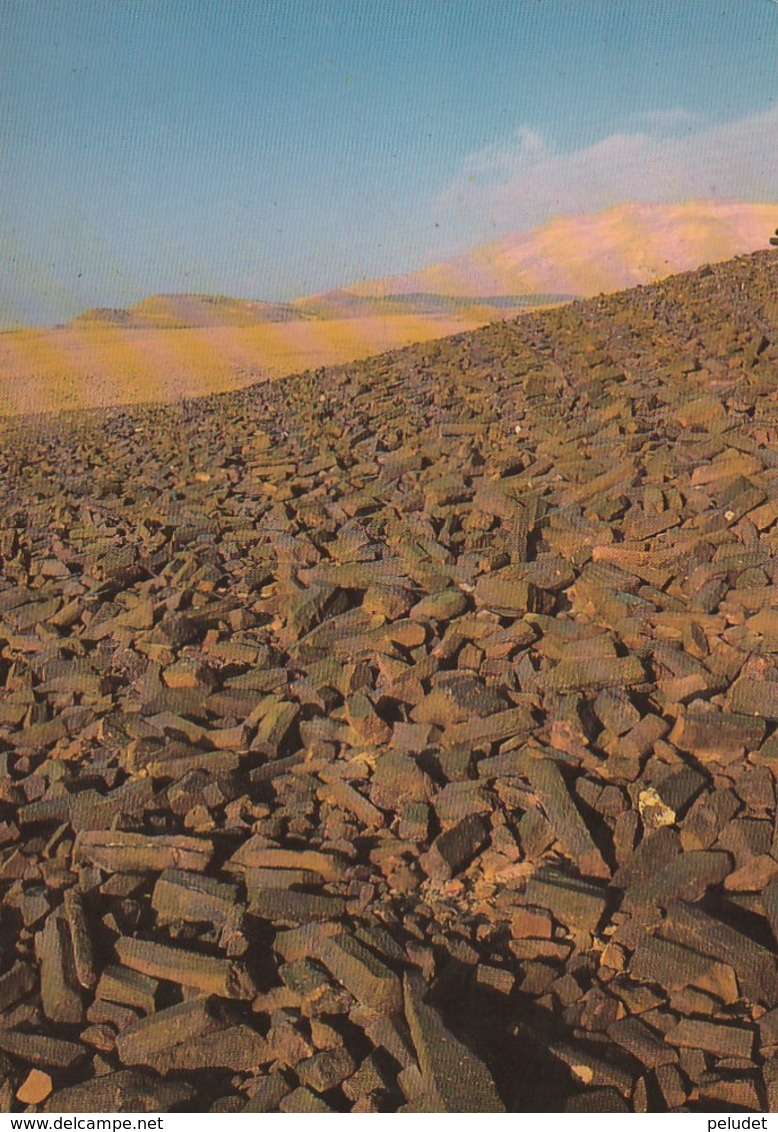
(526, 180)
(660, 120)
(497, 161)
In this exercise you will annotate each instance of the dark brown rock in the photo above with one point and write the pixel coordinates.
(453, 849)
(362, 973)
(452, 1074)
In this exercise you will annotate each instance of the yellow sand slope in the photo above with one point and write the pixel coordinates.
(81, 366)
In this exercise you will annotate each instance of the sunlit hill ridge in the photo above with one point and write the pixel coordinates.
(584, 255)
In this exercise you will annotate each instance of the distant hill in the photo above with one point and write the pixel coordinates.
(568, 257)
(190, 312)
(584, 255)
(181, 312)
(347, 304)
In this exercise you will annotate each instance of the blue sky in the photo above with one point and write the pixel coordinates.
(272, 148)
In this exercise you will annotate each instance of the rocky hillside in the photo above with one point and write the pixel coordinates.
(403, 736)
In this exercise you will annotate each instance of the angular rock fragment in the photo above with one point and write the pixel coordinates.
(453, 849)
(128, 987)
(238, 1049)
(642, 1043)
(457, 1079)
(346, 797)
(35, 1087)
(180, 895)
(667, 800)
(303, 1100)
(592, 1070)
(154, 1038)
(267, 1094)
(127, 1090)
(134, 852)
(770, 905)
(755, 697)
(574, 902)
(711, 732)
(326, 1070)
(495, 728)
(60, 993)
(361, 972)
(687, 877)
(221, 977)
(577, 675)
(722, 1040)
(597, 1100)
(15, 984)
(615, 711)
(569, 826)
(508, 594)
(753, 964)
(254, 855)
(661, 961)
(397, 779)
(37, 1049)
(290, 907)
(80, 939)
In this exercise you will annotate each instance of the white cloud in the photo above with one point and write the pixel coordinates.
(525, 181)
(497, 160)
(676, 118)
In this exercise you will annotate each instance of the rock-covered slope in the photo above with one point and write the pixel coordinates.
(402, 736)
